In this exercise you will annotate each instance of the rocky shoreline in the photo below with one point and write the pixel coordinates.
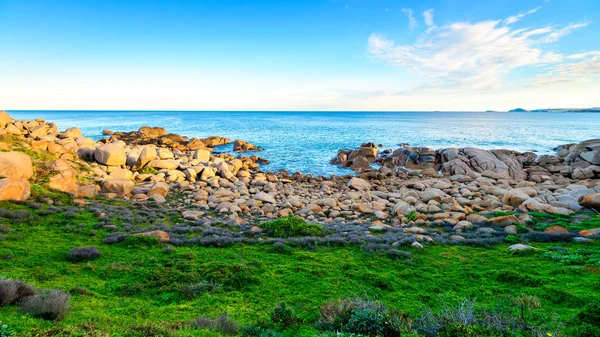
(421, 193)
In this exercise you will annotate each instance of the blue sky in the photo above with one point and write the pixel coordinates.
(309, 55)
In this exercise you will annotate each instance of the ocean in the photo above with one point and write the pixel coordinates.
(306, 141)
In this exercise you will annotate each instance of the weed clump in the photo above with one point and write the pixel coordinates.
(222, 324)
(5, 331)
(13, 291)
(83, 254)
(358, 316)
(284, 316)
(290, 226)
(50, 305)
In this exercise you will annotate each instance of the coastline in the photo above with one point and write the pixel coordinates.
(411, 187)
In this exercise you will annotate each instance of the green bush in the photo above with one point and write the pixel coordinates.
(5, 331)
(512, 239)
(284, 316)
(255, 330)
(372, 323)
(290, 226)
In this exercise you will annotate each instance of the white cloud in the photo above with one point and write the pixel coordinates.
(412, 22)
(473, 55)
(555, 35)
(428, 16)
(512, 19)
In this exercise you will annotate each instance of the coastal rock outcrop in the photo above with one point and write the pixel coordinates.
(242, 146)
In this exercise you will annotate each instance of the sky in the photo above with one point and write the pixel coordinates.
(417, 55)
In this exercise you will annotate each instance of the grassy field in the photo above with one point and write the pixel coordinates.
(142, 288)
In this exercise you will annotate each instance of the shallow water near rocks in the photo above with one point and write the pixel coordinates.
(306, 141)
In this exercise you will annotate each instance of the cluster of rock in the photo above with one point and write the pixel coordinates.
(150, 157)
(413, 189)
(38, 136)
(159, 137)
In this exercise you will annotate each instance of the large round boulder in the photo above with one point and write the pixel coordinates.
(16, 189)
(110, 154)
(590, 201)
(120, 187)
(15, 165)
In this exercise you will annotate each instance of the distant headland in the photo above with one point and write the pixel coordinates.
(596, 109)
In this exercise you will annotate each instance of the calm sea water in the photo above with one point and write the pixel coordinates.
(306, 141)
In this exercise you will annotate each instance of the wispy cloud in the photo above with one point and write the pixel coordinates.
(412, 22)
(555, 35)
(428, 17)
(475, 55)
(512, 19)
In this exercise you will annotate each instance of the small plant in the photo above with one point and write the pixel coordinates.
(412, 216)
(148, 170)
(5, 331)
(526, 303)
(284, 316)
(83, 254)
(49, 304)
(290, 226)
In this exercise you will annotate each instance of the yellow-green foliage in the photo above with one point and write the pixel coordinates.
(130, 291)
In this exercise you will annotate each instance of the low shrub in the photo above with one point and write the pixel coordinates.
(149, 330)
(226, 326)
(255, 330)
(5, 331)
(115, 238)
(191, 291)
(136, 241)
(372, 323)
(359, 316)
(13, 291)
(222, 324)
(547, 237)
(83, 254)
(48, 304)
(284, 316)
(290, 226)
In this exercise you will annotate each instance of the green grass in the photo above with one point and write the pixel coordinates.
(146, 285)
(543, 221)
(290, 226)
